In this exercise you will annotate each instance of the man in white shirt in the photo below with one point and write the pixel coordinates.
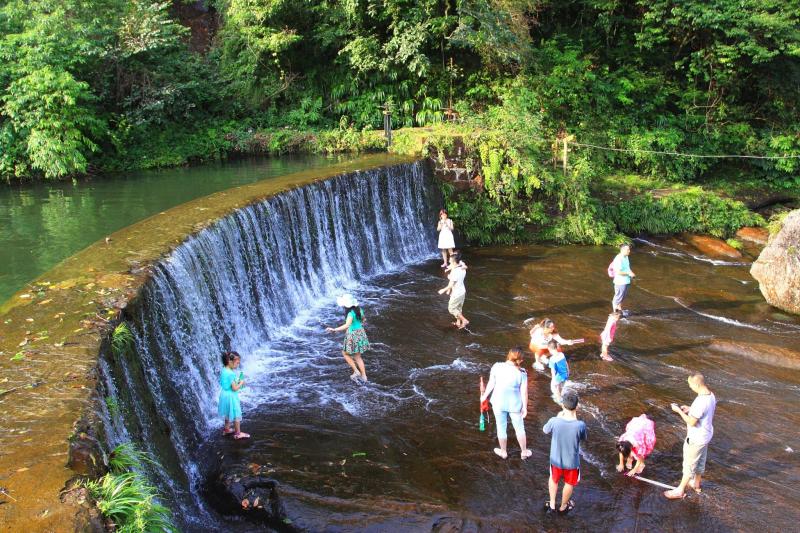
(699, 420)
(456, 289)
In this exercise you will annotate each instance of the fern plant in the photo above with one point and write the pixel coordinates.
(121, 340)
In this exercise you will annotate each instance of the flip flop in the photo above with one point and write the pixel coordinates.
(241, 435)
(570, 506)
(500, 453)
(670, 494)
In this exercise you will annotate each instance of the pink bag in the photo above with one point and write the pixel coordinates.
(611, 271)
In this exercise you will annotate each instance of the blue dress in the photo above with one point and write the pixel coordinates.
(229, 406)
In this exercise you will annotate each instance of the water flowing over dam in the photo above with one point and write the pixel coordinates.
(241, 284)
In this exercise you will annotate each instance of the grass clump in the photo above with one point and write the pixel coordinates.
(121, 340)
(125, 497)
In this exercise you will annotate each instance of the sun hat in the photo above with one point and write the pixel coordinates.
(346, 300)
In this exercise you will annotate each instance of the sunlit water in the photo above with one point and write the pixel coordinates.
(43, 223)
(405, 452)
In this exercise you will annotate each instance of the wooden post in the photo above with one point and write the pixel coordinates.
(564, 155)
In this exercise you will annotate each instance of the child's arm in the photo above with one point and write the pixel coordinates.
(236, 385)
(621, 465)
(343, 327)
(448, 288)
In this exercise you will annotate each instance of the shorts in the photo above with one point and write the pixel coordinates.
(572, 476)
(455, 305)
(694, 458)
(619, 294)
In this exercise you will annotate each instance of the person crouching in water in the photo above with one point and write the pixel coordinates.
(541, 334)
(355, 340)
(559, 370)
(508, 385)
(457, 291)
(636, 443)
(229, 408)
(607, 336)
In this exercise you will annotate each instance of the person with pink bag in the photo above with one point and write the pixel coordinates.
(636, 443)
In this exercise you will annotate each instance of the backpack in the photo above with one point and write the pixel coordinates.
(611, 272)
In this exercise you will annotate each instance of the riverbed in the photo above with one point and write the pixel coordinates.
(405, 451)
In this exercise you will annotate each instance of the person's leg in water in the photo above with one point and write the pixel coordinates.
(552, 487)
(604, 353)
(462, 321)
(695, 483)
(352, 364)
(502, 437)
(693, 464)
(360, 363)
(226, 430)
(445, 252)
(566, 494)
(238, 433)
(556, 387)
(519, 429)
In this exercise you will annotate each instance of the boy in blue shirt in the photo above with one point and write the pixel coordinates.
(565, 448)
(559, 370)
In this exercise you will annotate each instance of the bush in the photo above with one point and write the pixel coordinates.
(693, 210)
(125, 497)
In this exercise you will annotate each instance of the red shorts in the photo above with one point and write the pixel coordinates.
(572, 476)
(538, 352)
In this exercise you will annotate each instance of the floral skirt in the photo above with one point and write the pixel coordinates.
(356, 341)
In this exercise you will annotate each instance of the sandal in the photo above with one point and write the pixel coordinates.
(570, 506)
(500, 453)
(241, 435)
(226, 432)
(547, 509)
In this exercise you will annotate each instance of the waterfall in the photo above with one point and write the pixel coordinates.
(239, 284)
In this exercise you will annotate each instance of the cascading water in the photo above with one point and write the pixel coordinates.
(241, 284)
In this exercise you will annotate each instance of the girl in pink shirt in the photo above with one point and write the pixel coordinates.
(607, 336)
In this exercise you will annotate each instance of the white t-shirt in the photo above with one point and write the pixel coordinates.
(457, 276)
(702, 409)
(507, 393)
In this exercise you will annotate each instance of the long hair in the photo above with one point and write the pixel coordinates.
(546, 323)
(356, 309)
(624, 447)
(227, 357)
(515, 356)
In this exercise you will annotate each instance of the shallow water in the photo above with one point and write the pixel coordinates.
(43, 223)
(405, 453)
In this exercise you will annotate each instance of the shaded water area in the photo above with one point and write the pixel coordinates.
(43, 223)
(404, 452)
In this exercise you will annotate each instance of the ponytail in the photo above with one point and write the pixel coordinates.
(227, 357)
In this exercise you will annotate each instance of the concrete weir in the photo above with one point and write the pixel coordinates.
(53, 333)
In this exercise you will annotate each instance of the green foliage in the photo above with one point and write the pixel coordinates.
(126, 498)
(121, 340)
(693, 210)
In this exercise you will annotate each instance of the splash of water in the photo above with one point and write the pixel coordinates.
(255, 276)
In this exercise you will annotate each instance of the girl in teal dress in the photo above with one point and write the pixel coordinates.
(355, 340)
(229, 407)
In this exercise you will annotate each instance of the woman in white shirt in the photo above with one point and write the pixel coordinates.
(541, 334)
(457, 290)
(446, 241)
(508, 385)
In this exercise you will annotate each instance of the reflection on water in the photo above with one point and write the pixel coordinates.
(42, 224)
(404, 453)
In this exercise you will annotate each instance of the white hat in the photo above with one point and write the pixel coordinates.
(346, 300)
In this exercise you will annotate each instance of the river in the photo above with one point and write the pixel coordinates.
(354, 457)
(43, 223)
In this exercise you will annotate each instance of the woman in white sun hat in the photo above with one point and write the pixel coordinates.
(355, 340)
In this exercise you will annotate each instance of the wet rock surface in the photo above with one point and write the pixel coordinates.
(755, 235)
(248, 491)
(778, 266)
(712, 246)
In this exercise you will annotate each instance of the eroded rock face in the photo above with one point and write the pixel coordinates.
(756, 235)
(249, 492)
(778, 267)
(712, 246)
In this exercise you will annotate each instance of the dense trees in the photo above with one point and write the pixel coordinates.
(92, 81)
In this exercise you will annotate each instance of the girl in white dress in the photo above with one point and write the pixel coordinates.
(446, 242)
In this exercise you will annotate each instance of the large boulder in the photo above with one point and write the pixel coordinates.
(778, 266)
(755, 235)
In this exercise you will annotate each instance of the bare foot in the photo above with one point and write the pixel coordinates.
(606, 357)
(501, 453)
(674, 494)
(525, 454)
